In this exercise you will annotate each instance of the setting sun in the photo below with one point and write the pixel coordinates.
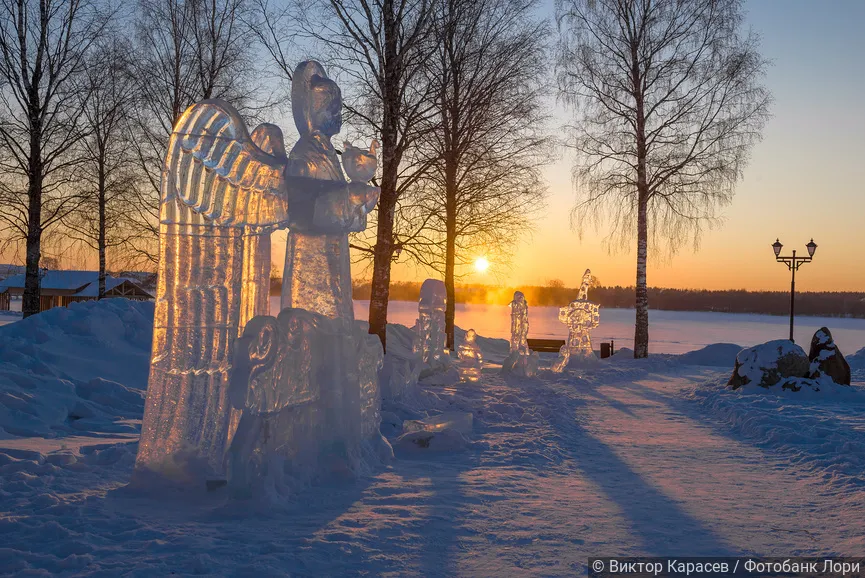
(481, 264)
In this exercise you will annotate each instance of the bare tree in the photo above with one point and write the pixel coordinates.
(668, 103)
(43, 48)
(107, 172)
(185, 51)
(488, 143)
(380, 48)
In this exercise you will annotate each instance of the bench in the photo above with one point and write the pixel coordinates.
(545, 345)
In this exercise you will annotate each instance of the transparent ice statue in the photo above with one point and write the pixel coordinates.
(471, 358)
(581, 316)
(521, 360)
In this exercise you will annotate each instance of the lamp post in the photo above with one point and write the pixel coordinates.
(793, 263)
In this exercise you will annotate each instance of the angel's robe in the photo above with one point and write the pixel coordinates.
(317, 264)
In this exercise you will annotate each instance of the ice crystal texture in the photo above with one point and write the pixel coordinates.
(471, 358)
(580, 316)
(317, 265)
(309, 400)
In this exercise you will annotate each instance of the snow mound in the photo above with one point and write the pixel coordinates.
(715, 355)
(75, 370)
(822, 432)
(857, 360)
(623, 353)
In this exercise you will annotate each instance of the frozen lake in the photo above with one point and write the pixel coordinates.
(669, 331)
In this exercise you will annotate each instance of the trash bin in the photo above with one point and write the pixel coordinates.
(606, 349)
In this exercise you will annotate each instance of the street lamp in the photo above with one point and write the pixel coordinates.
(793, 263)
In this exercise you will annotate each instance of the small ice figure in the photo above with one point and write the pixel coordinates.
(430, 338)
(580, 316)
(521, 360)
(471, 358)
(519, 323)
(359, 164)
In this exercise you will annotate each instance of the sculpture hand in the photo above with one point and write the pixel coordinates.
(363, 195)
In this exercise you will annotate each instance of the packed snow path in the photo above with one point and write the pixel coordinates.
(559, 469)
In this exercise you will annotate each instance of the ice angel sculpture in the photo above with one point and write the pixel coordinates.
(580, 316)
(521, 360)
(223, 192)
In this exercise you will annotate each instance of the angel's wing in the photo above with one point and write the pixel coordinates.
(217, 170)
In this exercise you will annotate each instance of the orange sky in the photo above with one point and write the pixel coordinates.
(806, 179)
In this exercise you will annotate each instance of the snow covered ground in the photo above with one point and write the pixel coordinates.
(632, 457)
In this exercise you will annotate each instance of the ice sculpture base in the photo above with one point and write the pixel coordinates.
(521, 364)
(440, 375)
(580, 359)
(310, 405)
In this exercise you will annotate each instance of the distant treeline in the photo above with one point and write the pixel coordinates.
(827, 304)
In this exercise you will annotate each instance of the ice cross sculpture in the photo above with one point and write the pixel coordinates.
(521, 360)
(580, 316)
(471, 358)
(223, 191)
(430, 337)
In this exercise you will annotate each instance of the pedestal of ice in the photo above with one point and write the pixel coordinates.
(521, 361)
(309, 403)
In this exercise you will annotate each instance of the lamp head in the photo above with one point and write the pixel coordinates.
(776, 246)
(812, 246)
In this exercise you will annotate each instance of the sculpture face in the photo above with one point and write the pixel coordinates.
(325, 106)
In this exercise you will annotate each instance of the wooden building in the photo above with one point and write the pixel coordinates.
(60, 288)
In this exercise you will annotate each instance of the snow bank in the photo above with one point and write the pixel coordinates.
(715, 355)
(857, 360)
(821, 431)
(77, 369)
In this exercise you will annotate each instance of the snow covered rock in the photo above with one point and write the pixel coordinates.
(768, 363)
(826, 359)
